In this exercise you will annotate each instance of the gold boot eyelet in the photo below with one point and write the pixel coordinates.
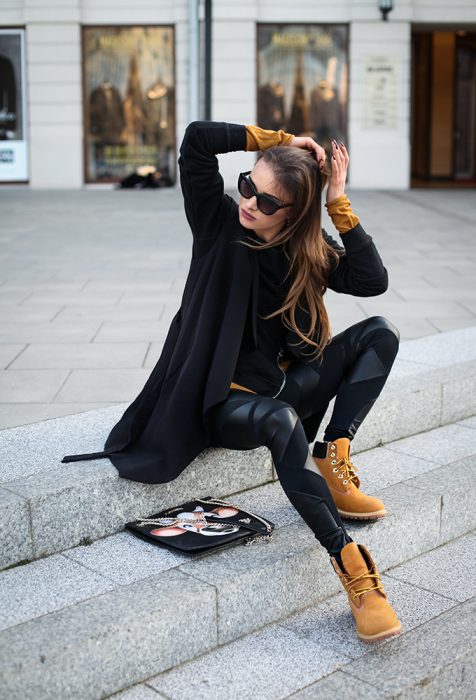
(333, 461)
(335, 469)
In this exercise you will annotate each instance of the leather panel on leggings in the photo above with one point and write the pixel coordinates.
(354, 368)
(246, 421)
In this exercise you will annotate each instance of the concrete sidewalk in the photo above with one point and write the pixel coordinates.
(89, 281)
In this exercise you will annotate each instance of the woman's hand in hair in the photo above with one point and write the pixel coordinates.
(308, 142)
(340, 163)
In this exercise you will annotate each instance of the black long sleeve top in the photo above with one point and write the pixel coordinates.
(258, 368)
(360, 272)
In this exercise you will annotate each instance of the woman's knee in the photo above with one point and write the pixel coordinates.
(382, 323)
(386, 331)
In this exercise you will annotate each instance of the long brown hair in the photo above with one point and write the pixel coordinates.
(311, 258)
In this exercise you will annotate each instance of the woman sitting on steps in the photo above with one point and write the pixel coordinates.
(249, 359)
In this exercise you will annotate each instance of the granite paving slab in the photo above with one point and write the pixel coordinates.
(441, 446)
(124, 558)
(31, 449)
(81, 331)
(24, 385)
(441, 350)
(42, 411)
(454, 484)
(468, 422)
(435, 660)
(270, 663)
(449, 570)
(331, 623)
(337, 685)
(80, 355)
(101, 645)
(138, 692)
(41, 587)
(8, 352)
(381, 467)
(327, 625)
(15, 529)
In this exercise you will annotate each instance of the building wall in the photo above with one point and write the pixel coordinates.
(53, 54)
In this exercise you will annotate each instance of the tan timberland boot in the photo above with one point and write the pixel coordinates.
(374, 616)
(339, 473)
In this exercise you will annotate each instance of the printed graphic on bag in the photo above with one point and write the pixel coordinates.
(194, 521)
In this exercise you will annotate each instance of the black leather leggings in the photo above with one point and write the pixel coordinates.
(354, 369)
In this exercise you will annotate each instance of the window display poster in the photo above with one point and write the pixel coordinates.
(13, 146)
(380, 93)
(129, 102)
(303, 80)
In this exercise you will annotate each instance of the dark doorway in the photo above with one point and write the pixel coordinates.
(443, 118)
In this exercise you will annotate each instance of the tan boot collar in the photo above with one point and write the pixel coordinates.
(360, 576)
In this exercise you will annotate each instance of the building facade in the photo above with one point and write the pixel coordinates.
(90, 91)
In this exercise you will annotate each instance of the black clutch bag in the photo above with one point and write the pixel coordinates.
(202, 524)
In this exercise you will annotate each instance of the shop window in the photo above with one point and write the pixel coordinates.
(13, 144)
(303, 80)
(129, 102)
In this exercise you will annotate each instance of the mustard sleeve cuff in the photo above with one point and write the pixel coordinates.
(258, 139)
(341, 214)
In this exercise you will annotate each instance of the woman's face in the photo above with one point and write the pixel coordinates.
(265, 226)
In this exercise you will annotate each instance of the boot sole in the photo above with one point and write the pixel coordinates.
(370, 638)
(375, 515)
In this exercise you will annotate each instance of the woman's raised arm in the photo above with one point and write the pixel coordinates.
(206, 205)
(360, 271)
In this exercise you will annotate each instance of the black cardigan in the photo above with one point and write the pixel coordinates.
(167, 424)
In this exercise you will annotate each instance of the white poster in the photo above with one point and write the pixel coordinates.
(380, 93)
(13, 136)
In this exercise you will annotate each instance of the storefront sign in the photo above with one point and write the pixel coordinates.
(13, 143)
(380, 103)
(129, 102)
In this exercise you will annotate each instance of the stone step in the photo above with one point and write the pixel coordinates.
(99, 618)
(314, 654)
(47, 507)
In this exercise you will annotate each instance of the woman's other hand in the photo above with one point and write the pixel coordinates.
(340, 163)
(308, 142)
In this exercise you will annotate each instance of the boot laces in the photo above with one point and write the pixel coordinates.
(348, 469)
(350, 581)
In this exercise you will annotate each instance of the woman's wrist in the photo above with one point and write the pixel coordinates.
(343, 218)
(258, 139)
(336, 199)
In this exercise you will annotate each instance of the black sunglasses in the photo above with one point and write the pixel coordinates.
(265, 202)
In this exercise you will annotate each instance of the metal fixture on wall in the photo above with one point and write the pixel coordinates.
(193, 61)
(208, 59)
(385, 6)
(200, 59)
